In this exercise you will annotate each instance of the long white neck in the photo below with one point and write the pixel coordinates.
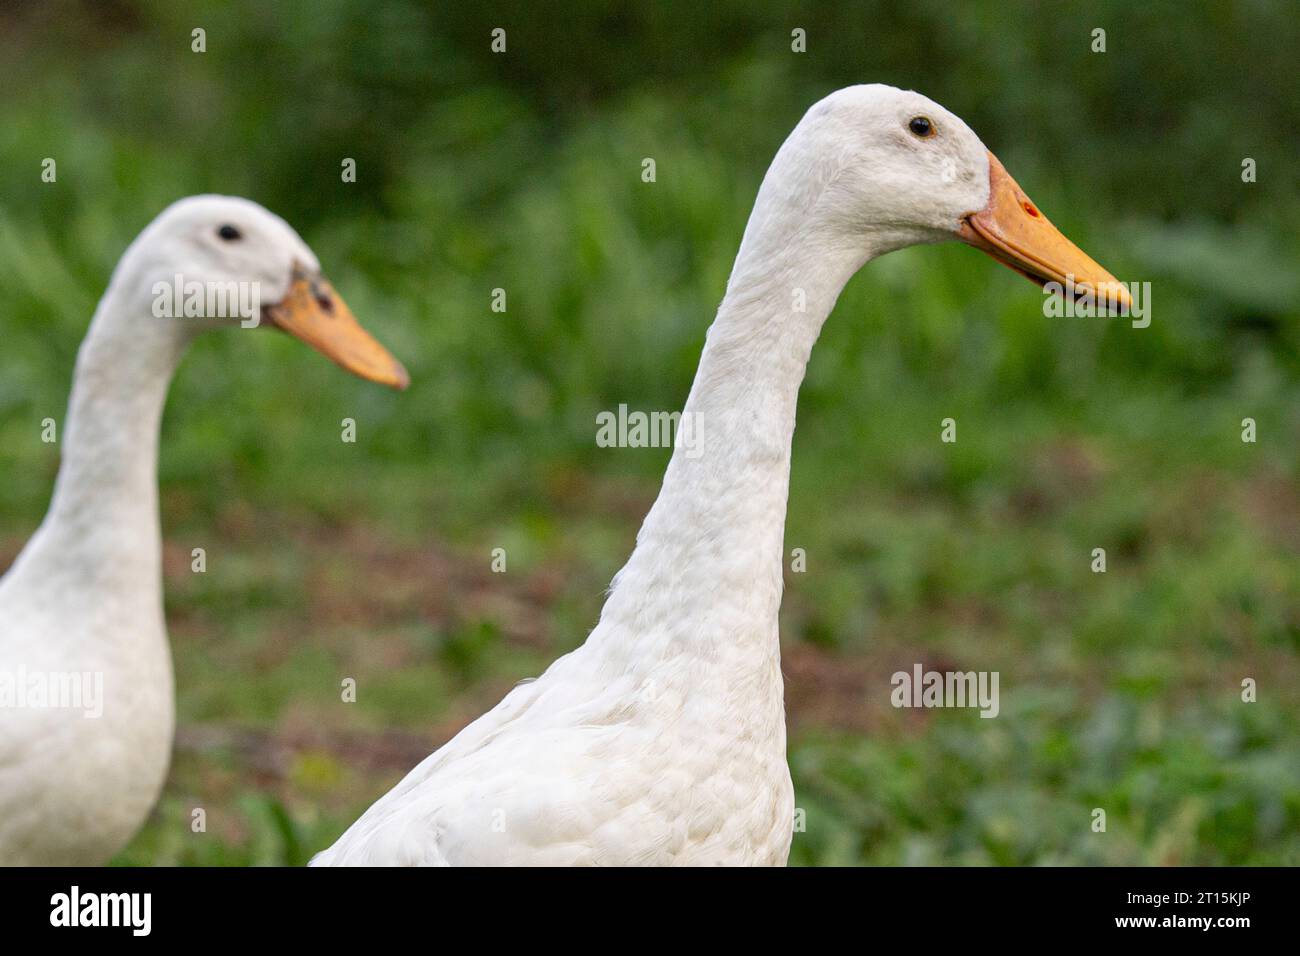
(705, 579)
(102, 528)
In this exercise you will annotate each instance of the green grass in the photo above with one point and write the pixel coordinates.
(1120, 691)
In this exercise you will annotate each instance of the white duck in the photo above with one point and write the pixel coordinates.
(81, 613)
(661, 740)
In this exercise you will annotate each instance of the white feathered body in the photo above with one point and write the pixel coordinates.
(76, 782)
(83, 603)
(576, 769)
(659, 741)
(662, 740)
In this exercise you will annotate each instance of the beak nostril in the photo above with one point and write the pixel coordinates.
(324, 296)
(1029, 208)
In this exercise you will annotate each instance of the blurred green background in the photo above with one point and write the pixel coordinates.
(522, 171)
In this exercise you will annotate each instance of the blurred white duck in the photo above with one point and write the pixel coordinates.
(661, 740)
(81, 613)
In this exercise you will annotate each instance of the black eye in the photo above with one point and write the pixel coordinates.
(921, 126)
(229, 233)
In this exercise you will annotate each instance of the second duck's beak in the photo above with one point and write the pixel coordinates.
(313, 312)
(1015, 232)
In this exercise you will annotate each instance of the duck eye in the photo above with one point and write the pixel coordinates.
(229, 233)
(921, 126)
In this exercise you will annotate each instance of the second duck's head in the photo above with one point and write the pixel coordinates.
(221, 261)
(872, 168)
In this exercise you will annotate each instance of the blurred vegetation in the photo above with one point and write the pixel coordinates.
(521, 171)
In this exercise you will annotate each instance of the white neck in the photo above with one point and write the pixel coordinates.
(705, 579)
(102, 527)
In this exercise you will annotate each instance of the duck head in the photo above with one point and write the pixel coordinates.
(220, 261)
(897, 169)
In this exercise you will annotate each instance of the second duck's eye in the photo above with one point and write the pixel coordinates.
(229, 233)
(921, 126)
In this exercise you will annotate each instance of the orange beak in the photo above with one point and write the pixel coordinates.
(313, 312)
(1013, 231)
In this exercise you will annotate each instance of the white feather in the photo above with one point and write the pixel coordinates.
(85, 594)
(661, 740)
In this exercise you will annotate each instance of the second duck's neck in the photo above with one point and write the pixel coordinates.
(707, 570)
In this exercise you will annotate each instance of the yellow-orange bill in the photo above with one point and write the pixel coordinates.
(313, 312)
(1015, 232)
